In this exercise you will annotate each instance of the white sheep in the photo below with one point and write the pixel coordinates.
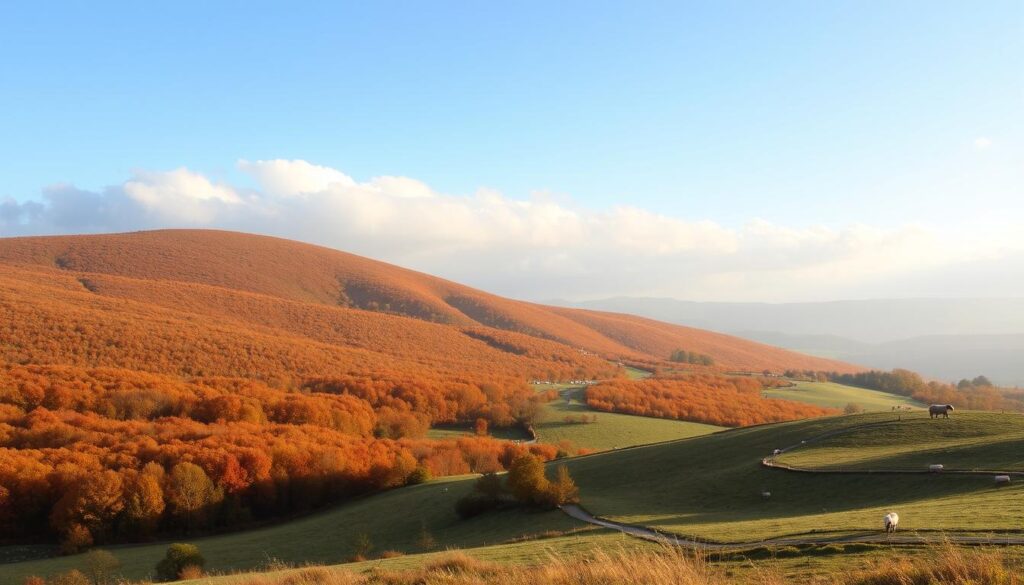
(892, 519)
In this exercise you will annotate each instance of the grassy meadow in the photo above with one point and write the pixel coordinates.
(605, 561)
(710, 487)
(832, 395)
(609, 430)
(972, 441)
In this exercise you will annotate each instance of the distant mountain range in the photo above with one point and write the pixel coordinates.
(943, 338)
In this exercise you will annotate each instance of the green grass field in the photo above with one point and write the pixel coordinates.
(710, 486)
(611, 430)
(393, 520)
(456, 431)
(831, 395)
(636, 373)
(972, 441)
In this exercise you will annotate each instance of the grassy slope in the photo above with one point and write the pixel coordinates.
(972, 441)
(813, 565)
(465, 430)
(833, 395)
(393, 520)
(710, 487)
(611, 430)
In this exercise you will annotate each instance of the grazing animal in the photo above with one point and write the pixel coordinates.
(891, 520)
(937, 410)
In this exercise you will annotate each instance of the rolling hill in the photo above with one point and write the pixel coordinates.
(277, 377)
(210, 272)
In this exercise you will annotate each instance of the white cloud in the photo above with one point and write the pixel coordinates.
(293, 177)
(180, 195)
(536, 248)
(982, 143)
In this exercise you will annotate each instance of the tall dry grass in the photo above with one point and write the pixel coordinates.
(939, 565)
(942, 564)
(667, 567)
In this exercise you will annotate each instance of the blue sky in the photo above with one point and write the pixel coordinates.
(804, 115)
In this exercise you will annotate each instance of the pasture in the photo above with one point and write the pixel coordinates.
(710, 487)
(972, 441)
(609, 430)
(832, 395)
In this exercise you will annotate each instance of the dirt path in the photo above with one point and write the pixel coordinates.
(879, 537)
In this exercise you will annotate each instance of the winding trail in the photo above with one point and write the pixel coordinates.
(909, 538)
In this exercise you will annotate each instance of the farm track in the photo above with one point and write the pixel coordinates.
(868, 537)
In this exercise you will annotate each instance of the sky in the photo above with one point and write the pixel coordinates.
(729, 151)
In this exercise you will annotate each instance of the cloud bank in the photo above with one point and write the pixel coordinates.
(539, 248)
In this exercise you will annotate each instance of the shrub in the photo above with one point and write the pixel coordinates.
(419, 475)
(563, 490)
(34, 580)
(362, 547)
(475, 504)
(179, 557)
(76, 539)
(489, 485)
(100, 566)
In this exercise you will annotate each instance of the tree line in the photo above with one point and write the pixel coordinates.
(704, 398)
(90, 456)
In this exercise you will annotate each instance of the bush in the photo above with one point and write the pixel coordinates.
(100, 566)
(563, 490)
(419, 475)
(489, 485)
(362, 547)
(787, 551)
(180, 558)
(76, 539)
(475, 504)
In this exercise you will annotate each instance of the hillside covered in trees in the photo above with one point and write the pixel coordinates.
(711, 399)
(171, 382)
